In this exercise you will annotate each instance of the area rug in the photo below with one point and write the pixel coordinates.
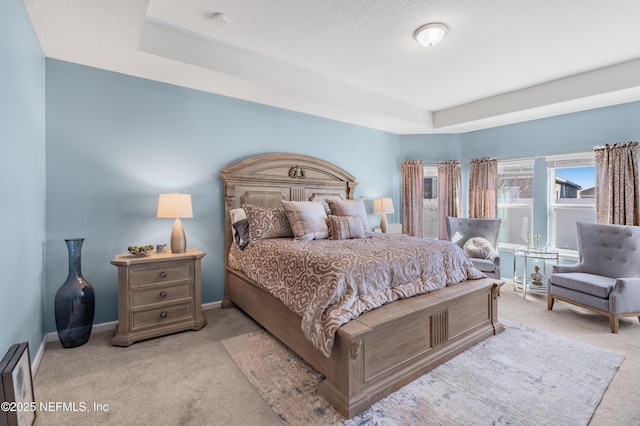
(522, 376)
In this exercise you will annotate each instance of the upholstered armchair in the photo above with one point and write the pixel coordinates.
(606, 278)
(461, 230)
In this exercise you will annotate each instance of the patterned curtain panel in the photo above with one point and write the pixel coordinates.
(617, 183)
(412, 183)
(449, 190)
(483, 185)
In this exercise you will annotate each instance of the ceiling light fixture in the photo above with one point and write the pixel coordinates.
(220, 18)
(430, 34)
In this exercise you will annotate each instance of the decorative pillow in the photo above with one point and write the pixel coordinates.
(267, 222)
(350, 208)
(241, 230)
(308, 219)
(236, 215)
(345, 227)
(478, 247)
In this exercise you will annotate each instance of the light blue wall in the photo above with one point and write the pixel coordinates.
(431, 148)
(576, 132)
(22, 179)
(115, 142)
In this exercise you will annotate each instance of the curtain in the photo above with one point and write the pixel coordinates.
(617, 183)
(412, 184)
(449, 189)
(483, 185)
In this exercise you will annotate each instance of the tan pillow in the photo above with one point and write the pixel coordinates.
(267, 222)
(345, 227)
(308, 219)
(350, 208)
(478, 247)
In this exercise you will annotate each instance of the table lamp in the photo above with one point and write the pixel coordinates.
(383, 206)
(176, 206)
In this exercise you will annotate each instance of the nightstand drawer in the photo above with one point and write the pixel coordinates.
(162, 315)
(158, 294)
(172, 272)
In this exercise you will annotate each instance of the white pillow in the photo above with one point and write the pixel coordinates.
(478, 247)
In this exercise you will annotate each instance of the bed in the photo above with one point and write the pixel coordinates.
(380, 350)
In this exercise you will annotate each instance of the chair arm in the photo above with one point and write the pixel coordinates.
(559, 269)
(625, 295)
(495, 258)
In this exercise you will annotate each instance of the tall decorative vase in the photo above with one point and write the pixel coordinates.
(75, 301)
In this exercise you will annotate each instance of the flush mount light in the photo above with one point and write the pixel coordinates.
(220, 18)
(430, 34)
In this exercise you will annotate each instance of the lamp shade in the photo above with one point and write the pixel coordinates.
(382, 205)
(174, 206)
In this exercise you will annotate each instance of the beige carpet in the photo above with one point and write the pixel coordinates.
(522, 376)
(189, 378)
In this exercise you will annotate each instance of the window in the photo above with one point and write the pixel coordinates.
(430, 216)
(430, 188)
(515, 200)
(572, 197)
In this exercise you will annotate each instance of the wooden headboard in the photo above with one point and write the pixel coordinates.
(266, 179)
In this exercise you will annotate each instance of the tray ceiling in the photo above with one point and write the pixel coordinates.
(356, 61)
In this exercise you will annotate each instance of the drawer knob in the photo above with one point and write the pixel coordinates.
(163, 294)
(163, 314)
(163, 274)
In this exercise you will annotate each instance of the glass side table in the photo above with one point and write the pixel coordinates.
(535, 282)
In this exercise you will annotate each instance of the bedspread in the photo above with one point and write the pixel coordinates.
(329, 282)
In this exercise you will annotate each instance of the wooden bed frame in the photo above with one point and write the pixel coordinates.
(381, 350)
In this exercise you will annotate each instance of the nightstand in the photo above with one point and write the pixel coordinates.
(158, 294)
(394, 228)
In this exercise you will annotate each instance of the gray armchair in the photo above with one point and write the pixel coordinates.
(461, 229)
(606, 278)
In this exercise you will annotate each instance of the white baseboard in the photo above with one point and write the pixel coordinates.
(97, 328)
(211, 305)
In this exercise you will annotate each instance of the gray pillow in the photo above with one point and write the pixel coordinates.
(241, 234)
(350, 208)
(345, 227)
(236, 215)
(267, 222)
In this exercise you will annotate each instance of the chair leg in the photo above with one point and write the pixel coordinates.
(550, 300)
(613, 322)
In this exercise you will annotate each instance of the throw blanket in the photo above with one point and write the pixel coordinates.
(329, 282)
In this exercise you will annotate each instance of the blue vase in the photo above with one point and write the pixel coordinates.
(75, 301)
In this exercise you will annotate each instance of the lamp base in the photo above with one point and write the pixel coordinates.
(178, 239)
(383, 223)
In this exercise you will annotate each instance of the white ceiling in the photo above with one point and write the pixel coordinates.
(503, 61)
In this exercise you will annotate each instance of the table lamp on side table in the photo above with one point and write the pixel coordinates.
(383, 206)
(176, 206)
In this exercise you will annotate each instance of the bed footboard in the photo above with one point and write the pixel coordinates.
(386, 348)
(389, 347)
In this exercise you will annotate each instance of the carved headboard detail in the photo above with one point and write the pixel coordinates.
(266, 179)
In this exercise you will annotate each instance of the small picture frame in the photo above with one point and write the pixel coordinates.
(4, 417)
(17, 386)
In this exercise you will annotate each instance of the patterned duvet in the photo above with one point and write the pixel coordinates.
(329, 282)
